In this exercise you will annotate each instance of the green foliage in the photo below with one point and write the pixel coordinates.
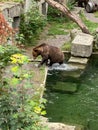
(67, 46)
(57, 28)
(71, 4)
(96, 14)
(30, 26)
(19, 109)
(5, 53)
(55, 15)
(91, 25)
(59, 22)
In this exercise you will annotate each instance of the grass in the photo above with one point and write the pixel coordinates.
(57, 28)
(62, 27)
(96, 14)
(66, 46)
(91, 25)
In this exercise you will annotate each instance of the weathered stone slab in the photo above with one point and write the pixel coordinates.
(57, 125)
(60, 126)
(78, 66)
(79, 60)
(82, 45)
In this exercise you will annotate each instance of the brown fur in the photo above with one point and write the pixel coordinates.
(48, 53)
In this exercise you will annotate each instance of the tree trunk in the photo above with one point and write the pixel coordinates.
(68, 13)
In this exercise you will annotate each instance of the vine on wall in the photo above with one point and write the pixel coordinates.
(6, 32)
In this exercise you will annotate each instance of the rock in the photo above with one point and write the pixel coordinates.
(82, 45)
(56, 125)
(60, 126)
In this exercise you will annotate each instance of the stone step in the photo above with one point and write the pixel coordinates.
(78, 60)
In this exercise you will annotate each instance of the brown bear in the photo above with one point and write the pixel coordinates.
(48, 53)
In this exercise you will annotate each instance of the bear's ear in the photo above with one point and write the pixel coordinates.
(35, 50)
(40, 49)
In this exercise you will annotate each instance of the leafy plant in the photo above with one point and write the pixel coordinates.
(31, 25)
(71, 4)
(55, 15)
(5, 52)
(18, 107)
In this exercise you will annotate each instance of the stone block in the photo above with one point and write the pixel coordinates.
(78, 60)
(82, 45)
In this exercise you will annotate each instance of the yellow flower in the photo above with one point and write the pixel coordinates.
(37, 110)
(19, 58)
(43, 113)
(15, 69)
(26, 75)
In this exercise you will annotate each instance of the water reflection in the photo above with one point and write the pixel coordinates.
(79, 107)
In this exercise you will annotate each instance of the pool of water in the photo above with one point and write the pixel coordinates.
(79, 107)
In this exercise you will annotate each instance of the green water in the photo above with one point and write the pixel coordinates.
(79, 107)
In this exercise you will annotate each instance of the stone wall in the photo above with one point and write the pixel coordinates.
(12, 12)
(43, 6)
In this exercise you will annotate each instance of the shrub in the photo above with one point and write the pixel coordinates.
(31, 25)
(5, 52)
(18, 107)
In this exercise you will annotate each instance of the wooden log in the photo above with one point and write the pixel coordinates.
(68, 13)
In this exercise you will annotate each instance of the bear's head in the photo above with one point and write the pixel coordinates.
(37, 51)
